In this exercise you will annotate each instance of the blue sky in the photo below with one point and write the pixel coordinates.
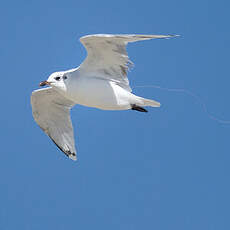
(167, 169)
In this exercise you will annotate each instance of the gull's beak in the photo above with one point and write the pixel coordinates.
(43, 83)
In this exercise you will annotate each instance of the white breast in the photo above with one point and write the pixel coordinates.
(94, 92)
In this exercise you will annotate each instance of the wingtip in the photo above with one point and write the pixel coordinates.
(68, 153)
(174, 35)
(73, 157)
(168, 36)
(158, 104)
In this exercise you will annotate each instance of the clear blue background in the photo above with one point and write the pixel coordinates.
(166, 169)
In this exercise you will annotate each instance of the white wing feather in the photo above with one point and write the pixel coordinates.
(107, 55)
(51, 111)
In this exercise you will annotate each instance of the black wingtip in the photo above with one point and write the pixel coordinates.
(68, 153)
(71, 155)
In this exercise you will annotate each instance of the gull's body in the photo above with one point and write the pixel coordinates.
(100, 81)
(99, 93)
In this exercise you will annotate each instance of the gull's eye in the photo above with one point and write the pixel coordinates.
(64, 77)
(57, 78)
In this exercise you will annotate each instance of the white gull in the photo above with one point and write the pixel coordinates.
(100, 81)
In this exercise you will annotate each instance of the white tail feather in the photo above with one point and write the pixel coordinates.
(151, 103)
(148, 102)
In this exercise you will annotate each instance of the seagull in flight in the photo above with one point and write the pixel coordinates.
(100, 81)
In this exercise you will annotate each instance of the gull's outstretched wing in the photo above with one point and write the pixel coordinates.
(51, 111)
(107, 55)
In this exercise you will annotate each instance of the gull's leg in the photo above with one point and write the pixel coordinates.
(138, 108)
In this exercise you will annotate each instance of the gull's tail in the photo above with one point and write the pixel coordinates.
(152, 103)
(140, 102)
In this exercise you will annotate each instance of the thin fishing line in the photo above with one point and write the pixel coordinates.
(185, 91)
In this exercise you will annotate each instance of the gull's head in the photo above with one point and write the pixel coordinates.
(57, 80)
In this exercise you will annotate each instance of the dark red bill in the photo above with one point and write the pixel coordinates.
(43, 83)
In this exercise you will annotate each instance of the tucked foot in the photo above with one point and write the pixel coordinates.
(138, 108)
